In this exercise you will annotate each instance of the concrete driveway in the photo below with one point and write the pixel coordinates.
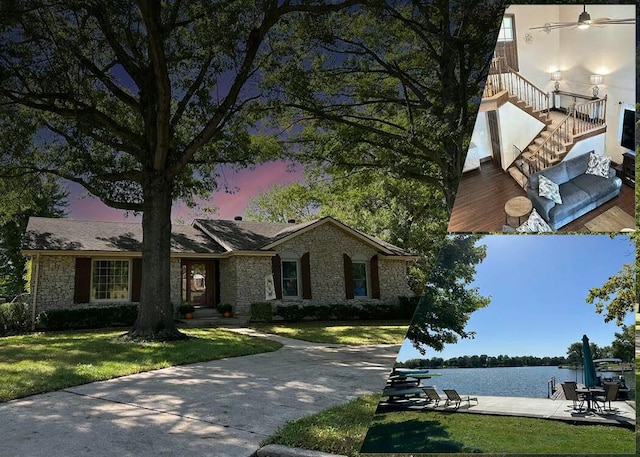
(220, 408)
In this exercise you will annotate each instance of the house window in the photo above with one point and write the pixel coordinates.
(506, 30)
(290, 270)
(110, 280)
(360, 279)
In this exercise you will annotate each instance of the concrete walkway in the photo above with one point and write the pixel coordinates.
(220, 408)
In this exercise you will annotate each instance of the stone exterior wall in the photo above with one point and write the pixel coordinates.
(56, 279)
(56, 283)
(242, 281)
(326, 245)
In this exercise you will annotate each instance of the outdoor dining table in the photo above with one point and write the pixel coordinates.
(590, 393)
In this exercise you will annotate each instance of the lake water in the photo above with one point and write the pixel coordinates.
(510, 381)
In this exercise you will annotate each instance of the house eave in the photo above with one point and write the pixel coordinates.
(134, 254)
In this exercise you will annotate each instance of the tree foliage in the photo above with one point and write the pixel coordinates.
(448, 300)
(617, 296)
(21, 198)
(395, 88)
(624, 345)
(139, 102)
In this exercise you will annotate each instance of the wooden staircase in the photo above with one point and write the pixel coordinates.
(560, 132)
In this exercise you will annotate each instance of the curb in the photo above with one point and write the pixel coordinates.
(277, 450)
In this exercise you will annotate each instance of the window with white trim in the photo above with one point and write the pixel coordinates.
(360, 285)
(110, 280)
(290, 278)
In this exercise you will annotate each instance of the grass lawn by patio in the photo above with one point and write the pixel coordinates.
(438, 432)
(333, 332)
(36, 363)
(342, 430)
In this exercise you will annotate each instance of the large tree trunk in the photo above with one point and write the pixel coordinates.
(155, 315)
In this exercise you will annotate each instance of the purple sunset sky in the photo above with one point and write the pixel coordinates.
(249, 182)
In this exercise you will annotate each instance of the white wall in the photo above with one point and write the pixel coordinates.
(595, 143)
(480, 136)
(516, 128)
(608, 50)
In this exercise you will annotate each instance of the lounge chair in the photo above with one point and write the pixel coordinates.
(452, 396)
(610, 393)
(432, 395)
(569, 389)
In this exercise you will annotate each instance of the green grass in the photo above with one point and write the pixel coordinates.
(39, 363)
(338, 430)
(342, 430)
(437, 432)
(352, 333)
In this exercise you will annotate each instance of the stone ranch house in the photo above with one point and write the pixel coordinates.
(321, 262)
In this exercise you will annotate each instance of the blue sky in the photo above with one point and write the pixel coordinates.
(538, 285)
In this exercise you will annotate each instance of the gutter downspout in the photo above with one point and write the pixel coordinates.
(35, 293)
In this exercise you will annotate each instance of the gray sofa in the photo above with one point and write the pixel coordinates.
(580, 192)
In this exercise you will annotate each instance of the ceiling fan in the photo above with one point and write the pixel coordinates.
(584, 22)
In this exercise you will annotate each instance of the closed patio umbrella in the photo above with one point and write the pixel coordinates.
(590, 378)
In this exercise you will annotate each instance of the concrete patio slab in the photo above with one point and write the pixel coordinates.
(542, 408)
(220, 408)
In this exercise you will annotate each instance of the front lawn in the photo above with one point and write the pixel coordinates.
(342, 430)
(37, 363)
(332, 332)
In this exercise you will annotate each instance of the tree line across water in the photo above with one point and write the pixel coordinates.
(483, 361)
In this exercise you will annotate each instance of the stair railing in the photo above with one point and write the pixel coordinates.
(552, 145)
(503, 77)
(588, 116)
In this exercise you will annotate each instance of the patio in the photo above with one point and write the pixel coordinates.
(541, 408)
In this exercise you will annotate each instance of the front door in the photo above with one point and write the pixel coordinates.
(199, 282)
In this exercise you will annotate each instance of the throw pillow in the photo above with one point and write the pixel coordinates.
(598, 165)
(534, 223)
(549, 189)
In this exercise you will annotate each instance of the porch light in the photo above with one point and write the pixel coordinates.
(595, 80)
(556, 76)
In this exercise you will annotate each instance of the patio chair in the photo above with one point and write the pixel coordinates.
(569, 389)
(432, 395)
(610, 393)
(452, 396)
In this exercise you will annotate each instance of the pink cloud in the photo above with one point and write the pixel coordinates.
(249, 183)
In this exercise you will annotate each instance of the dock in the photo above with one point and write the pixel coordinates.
(624, 414)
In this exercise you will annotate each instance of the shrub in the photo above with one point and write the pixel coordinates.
(223, 308)
(186, 308)
(261, 312)
(68, 319)
(345, 312)
(14, 318)
(290, 313)
(407, 306)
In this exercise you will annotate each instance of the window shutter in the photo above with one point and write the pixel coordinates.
(136, 280)
(82, 286)
(375, 279)
(305, 266)
(276, 269)
(348, 276)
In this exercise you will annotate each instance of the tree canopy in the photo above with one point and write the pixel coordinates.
(139, 102)
(617, 297)
(394, 88)
(448, 300)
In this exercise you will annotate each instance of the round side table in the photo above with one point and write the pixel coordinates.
(517, 210)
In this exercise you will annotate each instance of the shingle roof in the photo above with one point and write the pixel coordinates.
(70, 235)
(204, 236)
(247, 235)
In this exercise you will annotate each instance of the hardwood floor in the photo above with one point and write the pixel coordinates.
(479, 204)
